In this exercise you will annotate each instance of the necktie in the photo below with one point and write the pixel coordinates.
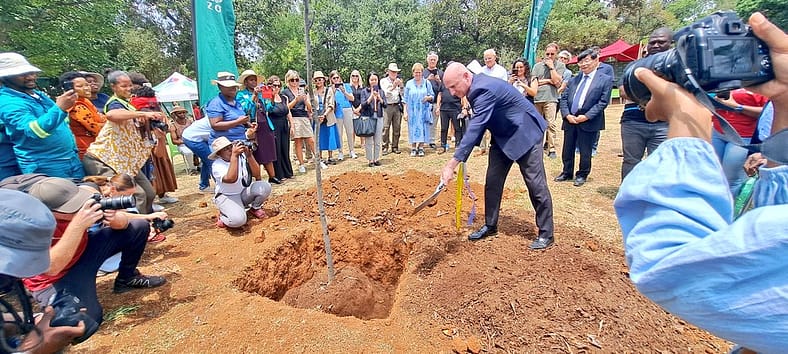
(578, 93)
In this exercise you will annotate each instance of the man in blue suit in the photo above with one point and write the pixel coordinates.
(517, 130)
(583, 108)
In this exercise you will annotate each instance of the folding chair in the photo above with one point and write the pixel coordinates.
(173, 151)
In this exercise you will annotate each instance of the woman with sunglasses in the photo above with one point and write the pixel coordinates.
(283, 129)
(300, 109)
(343, 95)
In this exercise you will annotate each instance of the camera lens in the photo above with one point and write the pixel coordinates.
(665, 64)
(118, 203)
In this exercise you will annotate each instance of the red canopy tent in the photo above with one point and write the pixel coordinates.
(620, 51)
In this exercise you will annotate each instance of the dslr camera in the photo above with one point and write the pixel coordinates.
(249, 145)
(161, 225)
(157, 124)
(720, 52)
(68, 312)
(115, 203)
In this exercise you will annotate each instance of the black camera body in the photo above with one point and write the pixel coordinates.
(159, 124)
(249, 145)
(68, 313)
(719, 51)
(115, 203)
(161, 225)
(67, 85)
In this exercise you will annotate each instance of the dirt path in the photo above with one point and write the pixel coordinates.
(404, 283)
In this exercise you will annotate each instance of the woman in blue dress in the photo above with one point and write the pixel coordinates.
(418, 99)
(328, 140)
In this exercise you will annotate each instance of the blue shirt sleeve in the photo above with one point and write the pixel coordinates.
(214, 108)
(687, 254)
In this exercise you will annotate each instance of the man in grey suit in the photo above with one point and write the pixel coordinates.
(516, 129)
(583, 108)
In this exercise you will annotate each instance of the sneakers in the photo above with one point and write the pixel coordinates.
(413, 153)
(157, 208)
(340, 157)
(421, 152)
(353, 155)
(301, 169)
(167, 199)
(593, 152)
(138, 281)
(323, 165)
(207, 190)
(258, 213)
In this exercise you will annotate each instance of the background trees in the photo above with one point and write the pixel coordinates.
(154, 37)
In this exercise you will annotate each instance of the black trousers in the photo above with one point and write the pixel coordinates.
(282, 166)
(446, 117)
(532, 169)
(574, 137)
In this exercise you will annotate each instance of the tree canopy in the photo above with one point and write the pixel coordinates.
(154, 37)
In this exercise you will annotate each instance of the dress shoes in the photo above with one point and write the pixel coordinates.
(483, 232)
(579, 181)
(562, 177)
(274, 180)
(541, 243)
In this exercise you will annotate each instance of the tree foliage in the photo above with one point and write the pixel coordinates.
(775, 10)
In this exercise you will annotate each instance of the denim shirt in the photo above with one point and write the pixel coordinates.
(687, 254)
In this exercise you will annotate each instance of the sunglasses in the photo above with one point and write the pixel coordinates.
(353, 75)
(549, 54)
(294, 80)
(276, 85)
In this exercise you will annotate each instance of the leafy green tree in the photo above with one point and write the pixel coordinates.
(775, 10)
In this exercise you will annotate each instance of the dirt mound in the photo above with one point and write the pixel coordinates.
(573, 297)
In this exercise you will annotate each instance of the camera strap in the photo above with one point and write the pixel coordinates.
(774, 147)
(246, 178)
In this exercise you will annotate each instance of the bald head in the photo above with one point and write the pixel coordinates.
(659, 40)
(457, 79)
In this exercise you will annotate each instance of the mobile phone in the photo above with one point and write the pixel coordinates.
(337, 85)
(67, 85)
(301, 91)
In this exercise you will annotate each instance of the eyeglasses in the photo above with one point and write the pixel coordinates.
(353, 75)
(276, 85)
(335, 78)
(586, 61)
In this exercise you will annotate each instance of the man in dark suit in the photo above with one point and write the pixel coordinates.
(516, 129)
(583, 108)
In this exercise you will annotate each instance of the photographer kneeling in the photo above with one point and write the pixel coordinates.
(684, 249)
(233, 167)
(79, 248)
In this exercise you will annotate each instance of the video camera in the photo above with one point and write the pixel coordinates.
(115, 203)
(68, 313)
(161, 225)
(718, 53)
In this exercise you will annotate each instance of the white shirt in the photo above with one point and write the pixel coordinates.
(198, 131)
(392, 92)
(219, 170)
(497, 71)
(590, 78)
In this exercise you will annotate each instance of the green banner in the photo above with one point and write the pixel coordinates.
(214, 43)
(540, 10)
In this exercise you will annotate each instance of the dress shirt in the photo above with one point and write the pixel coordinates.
(686, 253)
(589, 78)
(497, 72)
(393, 93)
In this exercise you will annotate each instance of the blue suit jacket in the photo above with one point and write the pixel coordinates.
(597, 99)
(512, 120)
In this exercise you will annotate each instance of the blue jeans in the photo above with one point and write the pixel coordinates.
(732, 158)
(637, 138)
(202, 150)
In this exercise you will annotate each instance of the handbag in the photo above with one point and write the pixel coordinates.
(364, 126)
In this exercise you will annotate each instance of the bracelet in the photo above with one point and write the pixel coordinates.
(739, 108)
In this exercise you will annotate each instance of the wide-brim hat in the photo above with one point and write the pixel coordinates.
(246, 74)
(60, 194)
(13, 64)
(217, 145)
(319, 74)
(393, 67)
(177, 108)
(225, 79)
(26, 227)
(96, 76)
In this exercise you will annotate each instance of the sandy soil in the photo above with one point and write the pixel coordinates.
(403, 283)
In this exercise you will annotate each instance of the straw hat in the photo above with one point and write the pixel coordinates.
(319, 74)
(96, 76)
(393, 67)
(225, 79)
(247, 73)
(177, 109)
(13, 64)
(217, 145)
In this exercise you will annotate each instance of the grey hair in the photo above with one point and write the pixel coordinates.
(113, 77)
(432, 54)
(565, 53)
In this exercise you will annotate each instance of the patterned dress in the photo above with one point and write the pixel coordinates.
(419, 112)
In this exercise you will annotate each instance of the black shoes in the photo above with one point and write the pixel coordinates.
(579, 181)
(562, 177)
(483, 232)
(274, 180)
(377, 163)
(396, 150)
(433, 146)
(541, 243)
(138, 281)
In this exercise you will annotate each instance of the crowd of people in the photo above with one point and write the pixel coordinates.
(92, 165)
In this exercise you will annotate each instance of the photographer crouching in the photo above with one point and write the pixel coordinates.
(684, 249)
(234, 166)
(85, 236)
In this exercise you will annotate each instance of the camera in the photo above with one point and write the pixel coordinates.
(720, 52)
(161, 225)
(67, 85)
(156, 124)
(68, 314)
(115, 203)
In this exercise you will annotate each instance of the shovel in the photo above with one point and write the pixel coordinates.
(429, 200)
